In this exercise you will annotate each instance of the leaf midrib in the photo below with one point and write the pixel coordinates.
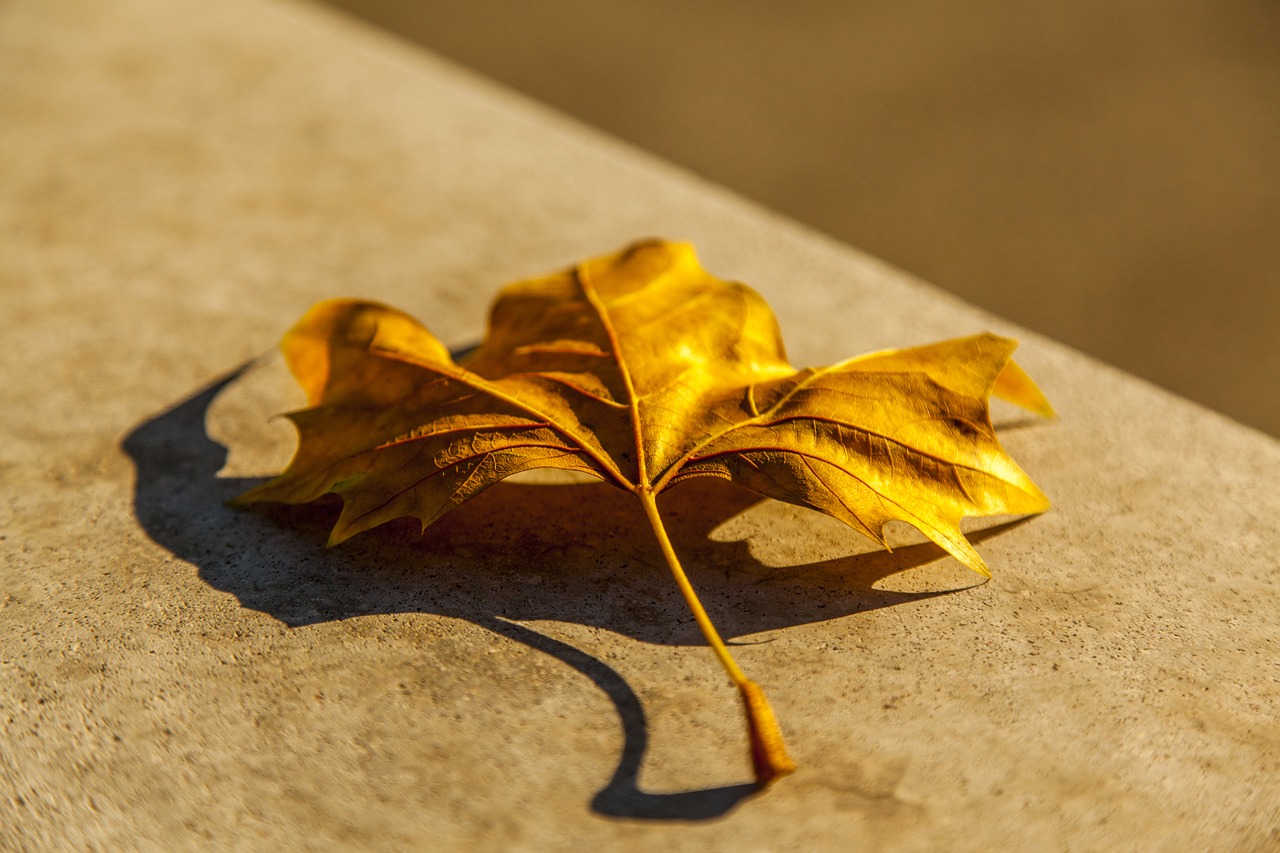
(633, 401)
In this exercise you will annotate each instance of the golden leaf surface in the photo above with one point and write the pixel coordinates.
(643, 370)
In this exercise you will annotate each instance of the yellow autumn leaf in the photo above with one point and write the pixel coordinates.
(643, 370)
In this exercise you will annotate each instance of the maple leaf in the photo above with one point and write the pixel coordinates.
(643, 370)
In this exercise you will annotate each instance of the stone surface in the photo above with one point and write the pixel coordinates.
(178, 181)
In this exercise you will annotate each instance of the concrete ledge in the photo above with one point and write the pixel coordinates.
(178, 181)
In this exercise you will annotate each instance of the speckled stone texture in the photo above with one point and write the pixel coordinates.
(180, 180)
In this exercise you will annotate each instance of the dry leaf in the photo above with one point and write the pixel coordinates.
(641, 369)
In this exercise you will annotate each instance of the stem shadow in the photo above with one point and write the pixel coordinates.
(622, 796)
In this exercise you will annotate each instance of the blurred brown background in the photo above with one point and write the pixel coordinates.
(1104, 171)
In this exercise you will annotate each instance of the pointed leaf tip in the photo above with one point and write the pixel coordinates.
(1013, 385)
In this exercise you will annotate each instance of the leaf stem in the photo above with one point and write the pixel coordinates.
(768, 749)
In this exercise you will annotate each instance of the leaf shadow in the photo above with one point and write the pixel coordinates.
(517, 553)
(1017, 423)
